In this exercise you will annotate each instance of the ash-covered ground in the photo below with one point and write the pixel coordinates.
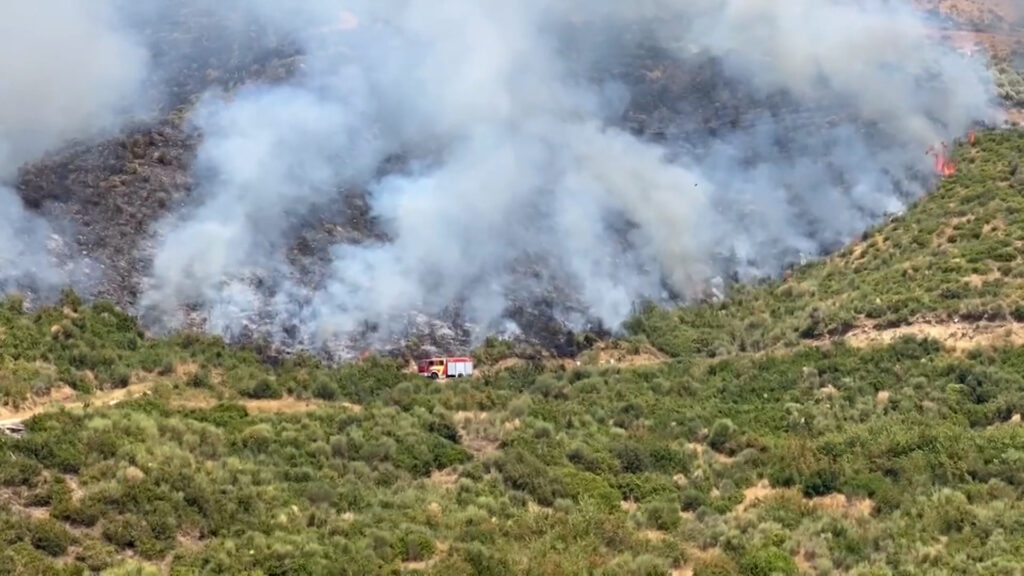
(808, 144)
(110, 193)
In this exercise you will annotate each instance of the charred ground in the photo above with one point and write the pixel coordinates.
(114, 191)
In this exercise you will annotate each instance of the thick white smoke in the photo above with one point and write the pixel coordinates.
(516, 159)
(70, 70)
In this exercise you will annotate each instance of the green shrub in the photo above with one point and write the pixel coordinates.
(526, 473)
(324, 389)
(633, 458)
(768, 562)
(485, 561)
(692, 500)
(715, 564)
(584, 486)
(96, 556)
(820, 482)
(722, 436)
(264, 388)
(200, 379)
(662, 516)
(416, 544)
(50, 536)
(18, 471)
(645, 487)
(126, 531)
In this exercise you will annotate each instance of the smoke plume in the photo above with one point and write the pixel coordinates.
(70, 70)
(519, 159)
(524, 160)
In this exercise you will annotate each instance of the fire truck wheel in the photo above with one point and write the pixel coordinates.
(433, 375)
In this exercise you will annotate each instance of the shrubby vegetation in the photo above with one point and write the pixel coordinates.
(954, 256)
(722, 460)
(1009, 82)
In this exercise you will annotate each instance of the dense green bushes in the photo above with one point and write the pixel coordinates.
(824, 459)
(667, 448)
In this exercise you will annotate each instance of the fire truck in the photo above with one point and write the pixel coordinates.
(445, 367)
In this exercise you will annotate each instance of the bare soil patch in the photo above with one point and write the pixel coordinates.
(64, 399)
(701, 450)
(755, 494)
(957, 336)
(841, 505)
(289, 405)
(625, 355)
(481, 434)
(447, 478)
(57, 394)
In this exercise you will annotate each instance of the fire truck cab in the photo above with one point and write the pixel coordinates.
(445, 367)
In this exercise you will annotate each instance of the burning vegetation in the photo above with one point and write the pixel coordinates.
(289, 186)
(944, 166)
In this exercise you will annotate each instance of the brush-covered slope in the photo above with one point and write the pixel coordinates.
(954, 260)
(819, 458)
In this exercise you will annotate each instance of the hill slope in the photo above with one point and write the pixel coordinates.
(954, 258)
(819, 458)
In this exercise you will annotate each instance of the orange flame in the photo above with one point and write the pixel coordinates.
(943, 166)
(970, 136)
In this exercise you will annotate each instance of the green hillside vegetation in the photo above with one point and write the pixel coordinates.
(817, 457)
(955, 257)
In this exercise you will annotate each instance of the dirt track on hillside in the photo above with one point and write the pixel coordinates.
(956, 336)
(65, 398)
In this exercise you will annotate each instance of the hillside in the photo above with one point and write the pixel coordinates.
(266, 173)
(809, 426)
(951, 264)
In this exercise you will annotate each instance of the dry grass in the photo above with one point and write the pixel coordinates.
(481, 432)
(703, 451)
(616, 354)
(58, 394)
(65, 398)
(755, 494)
(841, 505)
(956, 336)
(834, 504)
(447, 478)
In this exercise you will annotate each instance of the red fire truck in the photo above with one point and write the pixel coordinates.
(445, 367)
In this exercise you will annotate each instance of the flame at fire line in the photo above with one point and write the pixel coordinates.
(944, 166)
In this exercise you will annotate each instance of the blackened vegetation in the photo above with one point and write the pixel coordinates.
(197, 49)
(346, 220)
(115, 191)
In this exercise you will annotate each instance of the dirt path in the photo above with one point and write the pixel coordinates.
(67, 398)
(286, 405)
(61, 398)
(958, 336)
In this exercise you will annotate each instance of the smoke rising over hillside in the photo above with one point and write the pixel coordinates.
(517, 176)
(70, 70)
